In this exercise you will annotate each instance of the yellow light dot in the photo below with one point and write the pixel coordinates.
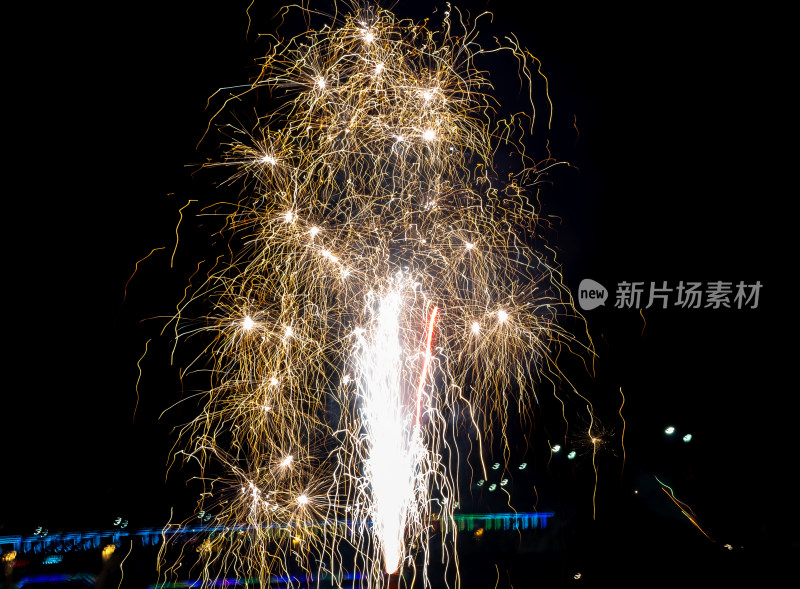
(329, 255)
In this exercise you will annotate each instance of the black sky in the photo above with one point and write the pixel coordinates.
(676, 176)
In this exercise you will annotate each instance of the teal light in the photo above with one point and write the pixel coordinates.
(53, 559)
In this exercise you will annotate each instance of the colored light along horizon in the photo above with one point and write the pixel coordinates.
(90, 540)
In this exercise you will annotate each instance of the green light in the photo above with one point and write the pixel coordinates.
(572, 455)
(687, 438)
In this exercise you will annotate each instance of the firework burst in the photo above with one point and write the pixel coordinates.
(387, 290)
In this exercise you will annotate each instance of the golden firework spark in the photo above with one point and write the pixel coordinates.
(387, 288)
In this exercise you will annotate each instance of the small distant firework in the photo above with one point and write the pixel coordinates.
(387, 292)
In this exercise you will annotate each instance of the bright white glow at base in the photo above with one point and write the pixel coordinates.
(502, 316)
(476, 327)
(396, 452)
(669, 431)
(429, 135)
(247, 323)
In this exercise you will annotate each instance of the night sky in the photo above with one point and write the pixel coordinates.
(674, 176)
